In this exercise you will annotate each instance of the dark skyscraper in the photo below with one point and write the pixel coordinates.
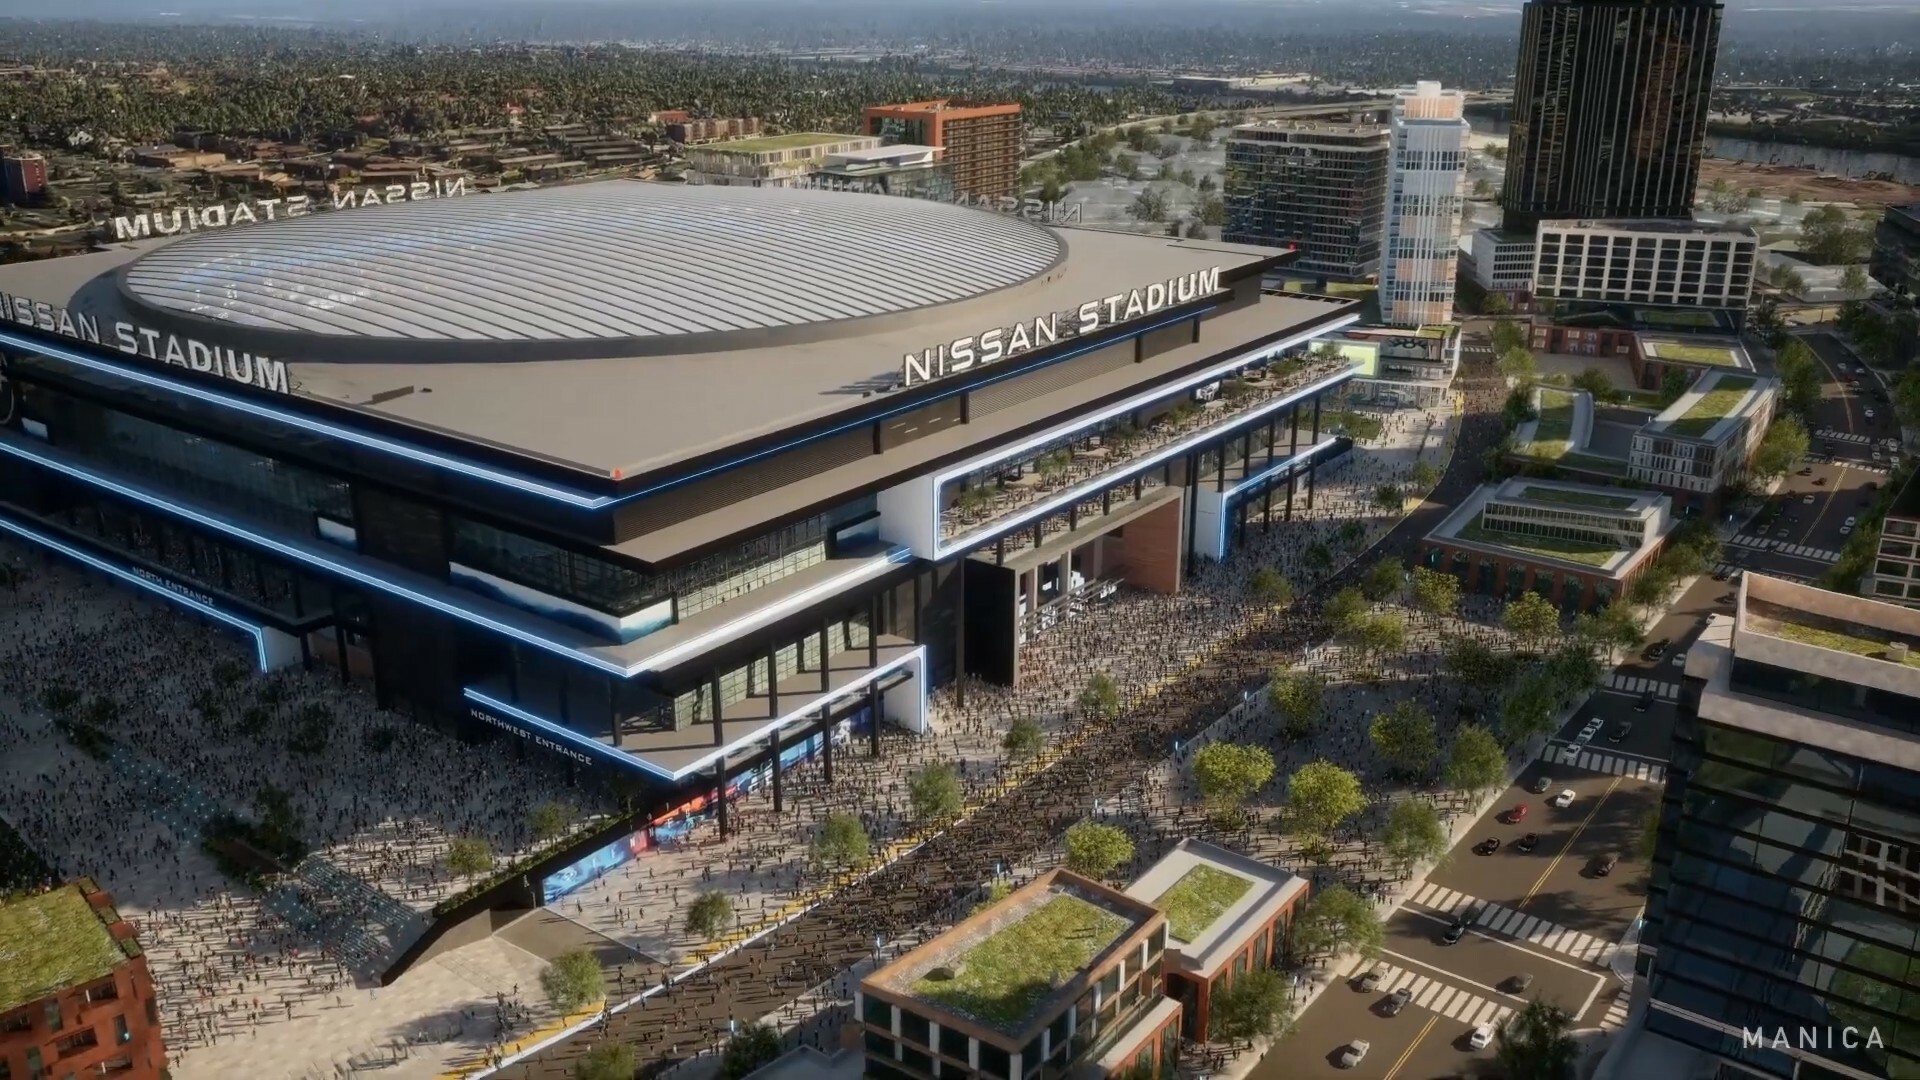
(1609, 109)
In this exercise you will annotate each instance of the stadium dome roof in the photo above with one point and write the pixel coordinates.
(617, 268)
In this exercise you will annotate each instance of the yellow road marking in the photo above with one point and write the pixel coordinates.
(1571, 840)
(1417, 1040)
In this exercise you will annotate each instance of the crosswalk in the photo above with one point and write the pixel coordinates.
(1799, 551)
(1514, 924)
(1622, 683)
(1842, 436)
(1617, 1011)
(1602, 762)
(1731, 569)
(1431, 994)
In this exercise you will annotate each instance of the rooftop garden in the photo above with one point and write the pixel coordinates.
(1577, 498)
(1201, 895)
(50, 941)
(762, 143)
(1714, 406)
(1677, 317)
(1003, 978)
(1712, 355)
(1553, 432)
(1545, 547)
(1825, 634)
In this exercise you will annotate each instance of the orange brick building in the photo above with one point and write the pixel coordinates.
(75, 994)
(981, 143)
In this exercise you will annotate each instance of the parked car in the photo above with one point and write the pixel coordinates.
(1590, 729)
(1808, 500)
(1604, 864)
(1481, 1036)
(1819, 481)
(1572, 752)
(1642, 705)
(1680, 659)
(1455, 930)
(1622, 729)
(1868, 413)
(1520, 983)
(1808, 471)
(1371, 980)
(1518, 814)
(1397, 1001)
(1354, 1053)
(1488, 846)
(1656, 650)
(1540, 784)
(1851, 522)
(1527, 843)
(1720, 575)
(1564, 799)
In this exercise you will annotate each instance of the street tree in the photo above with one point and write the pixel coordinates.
(1345, 608)
(1537, 1043)
(549, 820)
(1229, 774)
(1507, 334)
(752, 1048)
(1270, 587)
(1023, 738)
(1532, 619)
(469, 855)
(573, 981)
(1337, 919)
(1405, 736)
(1384, 580)
(1436, 593)
(1604, 631)
(1413, 834)
(1527, 708)
(1518, 364)
(709, 915)
(934, 794)
(1100, 698)
(1781, 449)
(1298, 697)
(1574, 670)
(1476, 763)
(1319, 556)
(1320, 797)
(1651, 588)
(1800, 378)
(1256, 1005)
(841, 841)
(1424, 475)
(1095, 849)
(607, 1061)
(1473, 662)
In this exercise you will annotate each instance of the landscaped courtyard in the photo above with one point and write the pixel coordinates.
(1715, 355)
(1553, 432)
(1002, 979)
(1200, 896)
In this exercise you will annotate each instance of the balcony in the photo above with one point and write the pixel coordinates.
(1078, 460)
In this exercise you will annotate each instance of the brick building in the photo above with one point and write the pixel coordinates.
(75, 994)
(980, 143)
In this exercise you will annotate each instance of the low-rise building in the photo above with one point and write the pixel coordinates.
(1895, 262)
(1659, 263)
(1896, 567)
(1705, 440)
(76, 997)
(1578, 545)
(1503, 264)
(901, 169)
(769, 160)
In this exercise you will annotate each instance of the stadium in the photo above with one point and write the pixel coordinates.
(687, 482)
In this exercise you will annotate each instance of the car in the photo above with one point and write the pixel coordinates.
(1482, 1035)
(1572, 752)
(1540, 785)
(1564, 799)
(1851, 522)
(1808, 471)
(1680, 659)
(1517, 814)
(1397, 1001)
(1876, 456)
(1819, 481)
(1455, 930)
(1354, 1053)
(1527, 843)
(1656, 650)
(1644, 703)
(1621, 730)
(1846, 530)
(1519, 984)
(1720, 574)
(1591, 728)
(1780, 533)
(1488, 846)
(1604, 864)
(1868, 413)
(1371, 980)
(1808, 500)
(1892, 444)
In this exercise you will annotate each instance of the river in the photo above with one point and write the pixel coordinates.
(1904, 169)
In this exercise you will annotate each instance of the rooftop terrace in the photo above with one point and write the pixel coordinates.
(1830, 632)
(1541, 547)
(1705, 351)
(51, 941)
(1715, 405)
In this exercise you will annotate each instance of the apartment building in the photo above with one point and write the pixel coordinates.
(1313, 185)
(979, 143)
(1661, 263)
(1704, 441)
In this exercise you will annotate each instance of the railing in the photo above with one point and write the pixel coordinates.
(1087, 455)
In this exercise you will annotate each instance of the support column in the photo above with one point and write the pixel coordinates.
(959, 645)
(825, 666)
(773, 681)
(614, 720)
(713, 687)
(720, 796)
(1313, 469)
(773, 766)
(826, 747)
(873, 717)
(873, 631)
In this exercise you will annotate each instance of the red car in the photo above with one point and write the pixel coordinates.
(1517, 815)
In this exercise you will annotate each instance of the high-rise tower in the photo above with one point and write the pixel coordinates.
(1422, 249)
(1609, 109)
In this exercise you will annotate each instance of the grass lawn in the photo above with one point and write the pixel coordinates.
(1554, 429)
(50, 941)
(1577, 498)
(1713, 407)
(1648, 398)
(1841, 641)
(1718, 356)
(1003, 978)
(1198, 898)
(1548, 547)
(762, 143)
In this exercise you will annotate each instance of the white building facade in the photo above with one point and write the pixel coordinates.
(1669, 263)
(1424, 201)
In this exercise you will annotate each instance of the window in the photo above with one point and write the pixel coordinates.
(953, 1044)
(36, 1069)
(79, 1042)
(52, 1012)
(915, 1028)
(569, 575)
(876, 1012)
(995, 1062)
(120, 1033)
(17, 1021)
(879, 1045)
(106, 991)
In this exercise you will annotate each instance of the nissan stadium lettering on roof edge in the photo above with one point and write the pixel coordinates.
(147, 344)
(1004, 343)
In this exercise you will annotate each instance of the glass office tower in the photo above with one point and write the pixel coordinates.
(1782, 929)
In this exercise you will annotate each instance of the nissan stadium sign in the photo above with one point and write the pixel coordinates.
(155, 346)
(185, 219)
(1006, 342)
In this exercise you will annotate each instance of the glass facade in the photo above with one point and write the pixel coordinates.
(1786, 895)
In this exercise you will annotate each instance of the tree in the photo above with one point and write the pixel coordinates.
(842, 841)
(1425, 474)
(1854, 282)
(1150, 205)
(1474, 663)
(1672, 384)
(1534, 1043)
(1532, 619)
(1831, 239)
(708, 915)
(1436, 593)
(1573, 670)
(1319, 556)
(1270, 587)
(1384, 580)
(469, 855)
(1128, 166)
(1255, 1005)
(1518, 364)
(752, 1047)
(1651, 588)
(1023, 738)
(1320, 796)
(1595, 382)
(1507, 334)
(1211, 210)
(1345, 608)
(1527, 708)
(1613, 628)
(1476, 763)
(1413, 834)
(1229, 774)
(549, 820)
(1095, 850)
(1800, 378)
(1405, 736)
(1100, 698)
(934, 794)
(607, 1061)
(1298, 697)
(1781, 449)
(1336, 919)
(1378, 635)
(573, 981)
(1496, 304)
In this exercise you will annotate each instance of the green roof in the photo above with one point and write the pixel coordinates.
(1676, 317)
(51, 941)
(1003, 978)
(1593, 463)
(1553, 432)
(1714, 406)
(1714, 355)
(1577, 498)
(1830, 636)
(1201, 895)
(762, 143)
(1545, 547)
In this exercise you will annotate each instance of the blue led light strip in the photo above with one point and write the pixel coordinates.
(252, 629)
(632, 761)
(1282, 466)
(392, 588)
